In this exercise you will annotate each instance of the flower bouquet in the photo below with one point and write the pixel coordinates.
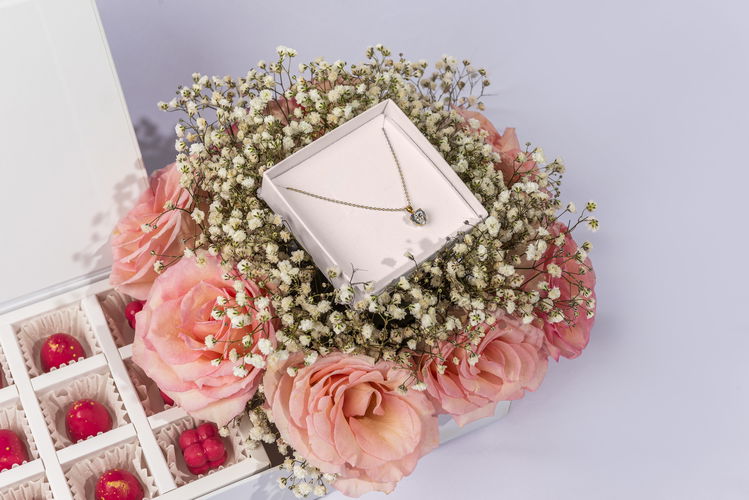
(233, 318)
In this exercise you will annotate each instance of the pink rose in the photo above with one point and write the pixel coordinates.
(170, 339)
(569, 338)
(346, 415)
(511, 361)
(133, 271)
(507, 145)
(282, 109)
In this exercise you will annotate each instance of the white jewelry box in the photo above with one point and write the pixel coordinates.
(354, 163)
(67, 191)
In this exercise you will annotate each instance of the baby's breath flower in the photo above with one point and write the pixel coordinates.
(554, 270)
(265, 346)
(234, 129)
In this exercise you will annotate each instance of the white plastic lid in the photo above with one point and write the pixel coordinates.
(69, 162)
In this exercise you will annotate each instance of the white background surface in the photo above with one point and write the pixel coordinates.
(647, 103)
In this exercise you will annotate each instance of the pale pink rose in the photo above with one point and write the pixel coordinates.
(507, 145)
(569, 338)
(170, 340)
(511, 361)
(346, 415)
(132, 270)
(282, 109)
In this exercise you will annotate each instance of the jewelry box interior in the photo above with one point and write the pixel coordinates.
(354, 163)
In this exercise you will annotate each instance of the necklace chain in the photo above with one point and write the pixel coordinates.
(408, 208)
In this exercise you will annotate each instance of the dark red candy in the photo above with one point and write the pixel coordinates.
(86, 418)
(60, 349)
(199, 470)
(132, 309)
(12, 450)
(188, 438)
(214, 449)
(167, 400)
(217, 463)
(118, 484)
(195, 455)
(206, 430)
(202, 448)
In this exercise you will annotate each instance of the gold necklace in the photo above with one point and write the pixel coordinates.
(418, 216)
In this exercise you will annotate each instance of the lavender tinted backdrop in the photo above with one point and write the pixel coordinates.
(647, 103)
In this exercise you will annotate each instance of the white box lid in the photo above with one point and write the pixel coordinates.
(70, 162)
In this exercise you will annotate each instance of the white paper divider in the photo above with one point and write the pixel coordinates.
(95, 443)
(69, 372)
(207, 484)
(126, 352)
(38, 425)
(166, 417)
(151, 451)
(6, 378)
(36, 487)
(8, 394)
(21, 473)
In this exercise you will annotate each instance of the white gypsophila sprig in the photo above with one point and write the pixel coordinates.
(233, 129)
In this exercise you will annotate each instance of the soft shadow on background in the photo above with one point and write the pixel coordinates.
(647, 104)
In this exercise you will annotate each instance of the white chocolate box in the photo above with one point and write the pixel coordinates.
(145, 431)
(54, 278)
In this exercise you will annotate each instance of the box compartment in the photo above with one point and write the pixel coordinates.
(97, 385)
(83, 474)
(68, 319)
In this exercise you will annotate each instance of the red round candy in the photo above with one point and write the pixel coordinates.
(12, 450)
(206, 430)
(199, 470)
(214, 449)
(195, 455)
(60, 349)
(188, 438)
(86, 418)
(167, 400)
(118, 484)
(132, 309)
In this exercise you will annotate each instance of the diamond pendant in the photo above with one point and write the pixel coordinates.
(419, 217)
